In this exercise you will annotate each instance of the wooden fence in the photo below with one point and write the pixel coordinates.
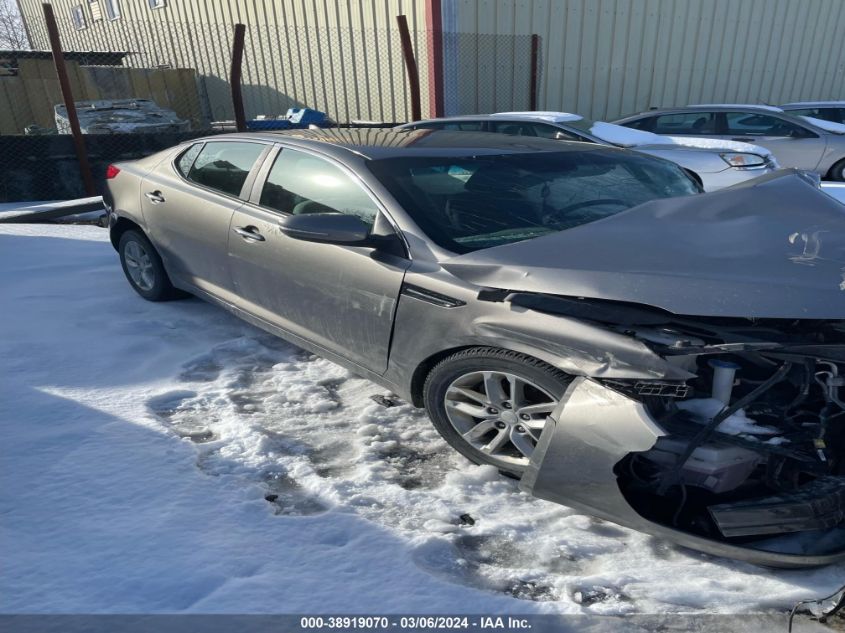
(28, 97)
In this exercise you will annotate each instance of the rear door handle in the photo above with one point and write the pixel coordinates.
(154, 197)
(249, 233)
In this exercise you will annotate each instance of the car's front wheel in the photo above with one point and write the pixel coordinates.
(837, 172)
(143, 268)
(491, 404)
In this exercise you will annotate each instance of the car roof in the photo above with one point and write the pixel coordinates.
(797, 105)
(376, 143)
(715, 107)
(545, 116)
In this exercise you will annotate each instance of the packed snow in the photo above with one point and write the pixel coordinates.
(630, 137)
(736, 105)
(830, 126)
(835, 190)
(171, 458)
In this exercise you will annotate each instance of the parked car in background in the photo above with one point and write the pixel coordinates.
(579, 316)
(121, 116)
(833, 111)
(801, 142)
(714, 164)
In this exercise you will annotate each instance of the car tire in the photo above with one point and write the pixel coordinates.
(837, 172)
(468, 397)
(143, 268)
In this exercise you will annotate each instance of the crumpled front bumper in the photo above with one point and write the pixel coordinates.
(592, 429)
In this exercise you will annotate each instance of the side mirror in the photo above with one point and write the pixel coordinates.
(326, 228)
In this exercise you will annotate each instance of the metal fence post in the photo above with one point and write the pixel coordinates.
(535, 60)
(434, 22)
(67, 97)
(411, 66)
(235, 77)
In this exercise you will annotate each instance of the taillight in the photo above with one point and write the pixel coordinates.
(111, 172)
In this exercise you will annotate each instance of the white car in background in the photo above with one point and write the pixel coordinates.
(716, 164)
(796, 140)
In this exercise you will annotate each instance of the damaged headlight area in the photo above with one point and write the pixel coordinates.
(746, 459)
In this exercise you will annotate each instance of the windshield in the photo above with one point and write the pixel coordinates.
(467, 204)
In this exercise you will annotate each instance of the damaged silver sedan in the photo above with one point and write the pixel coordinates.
(582, 318)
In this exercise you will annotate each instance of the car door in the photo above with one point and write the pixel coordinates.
(338, 297)
(188, 208)
(792, 145)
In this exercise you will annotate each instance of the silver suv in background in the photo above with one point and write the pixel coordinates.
(714, 164)
(833, 111)
(801, 142)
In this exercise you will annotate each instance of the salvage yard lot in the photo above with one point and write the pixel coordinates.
(170, 458)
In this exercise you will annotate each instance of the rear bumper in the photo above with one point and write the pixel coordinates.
(594, 428)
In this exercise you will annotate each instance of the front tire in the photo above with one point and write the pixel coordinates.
(143, 268)
(491, 404)
(837, 172)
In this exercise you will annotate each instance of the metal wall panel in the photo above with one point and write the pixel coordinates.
(607, 58)
(341, 56)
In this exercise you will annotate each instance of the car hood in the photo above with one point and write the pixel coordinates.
(773, 248)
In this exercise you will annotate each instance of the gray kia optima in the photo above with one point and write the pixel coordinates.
(580, 317)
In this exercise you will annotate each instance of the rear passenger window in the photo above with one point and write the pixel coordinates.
(224, 165)
(685, 123)
(300, 183)
(753, 124)
(186, 160)
(541, 130)
(459, 126)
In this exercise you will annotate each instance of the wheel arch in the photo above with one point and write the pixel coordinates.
(424, 368)
(836, 166)
(120, 227)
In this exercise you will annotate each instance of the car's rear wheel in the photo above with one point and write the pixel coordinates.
(143, 268)
(491, 405)
(837, 172)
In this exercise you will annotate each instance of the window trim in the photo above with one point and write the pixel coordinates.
(78, 10)
(246, 188)
(269, 161)
(108, 5)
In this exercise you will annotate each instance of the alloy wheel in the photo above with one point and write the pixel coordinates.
(499, 414)
(139, 265)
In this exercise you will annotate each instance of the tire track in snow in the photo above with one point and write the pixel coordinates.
(307, 432)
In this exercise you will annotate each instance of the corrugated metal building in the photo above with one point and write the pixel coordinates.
(600, 58)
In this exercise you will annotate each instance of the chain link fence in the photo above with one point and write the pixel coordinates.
(142, 86)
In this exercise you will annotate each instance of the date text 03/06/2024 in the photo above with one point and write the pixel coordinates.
(423, 622)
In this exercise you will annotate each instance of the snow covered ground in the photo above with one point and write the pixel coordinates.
(170, 458)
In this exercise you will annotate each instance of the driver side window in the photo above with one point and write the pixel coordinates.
(301, 183)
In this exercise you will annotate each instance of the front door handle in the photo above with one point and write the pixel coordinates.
(249, 233)
(154, 197)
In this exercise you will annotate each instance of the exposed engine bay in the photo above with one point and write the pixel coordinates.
(749, 451)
